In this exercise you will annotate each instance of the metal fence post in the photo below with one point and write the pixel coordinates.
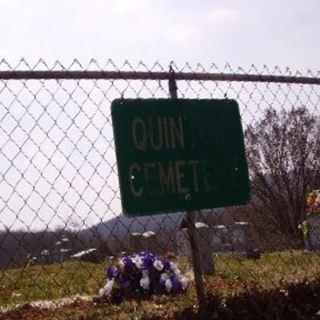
(192, 232)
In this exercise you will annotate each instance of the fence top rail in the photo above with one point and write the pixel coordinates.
(138, 75)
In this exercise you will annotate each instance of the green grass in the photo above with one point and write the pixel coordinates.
(44, 282)
(272, 269)
(82, 278)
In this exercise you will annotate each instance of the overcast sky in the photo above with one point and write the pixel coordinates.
(242, 32)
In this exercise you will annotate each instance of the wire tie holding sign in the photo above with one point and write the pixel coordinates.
(173, 88)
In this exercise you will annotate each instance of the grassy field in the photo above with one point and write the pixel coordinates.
(233, 276)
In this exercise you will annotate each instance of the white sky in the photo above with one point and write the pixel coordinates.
(242, 32)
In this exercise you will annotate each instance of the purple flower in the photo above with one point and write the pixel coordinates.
(160, 287)
(166, 265)
(128, 264)
(125, 284)
(112, 273)
(176, 285)
(148, 262)
(143, 254)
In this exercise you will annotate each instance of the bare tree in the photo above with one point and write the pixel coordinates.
(283, 153)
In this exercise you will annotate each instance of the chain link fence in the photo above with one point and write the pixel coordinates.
(60, 214)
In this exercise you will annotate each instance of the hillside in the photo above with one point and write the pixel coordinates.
(116, 231)
(121, 225)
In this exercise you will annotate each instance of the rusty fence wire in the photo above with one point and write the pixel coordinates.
(60, 214)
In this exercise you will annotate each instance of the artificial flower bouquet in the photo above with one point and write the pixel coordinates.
(142, 274)
(313, 210)
(313, 202)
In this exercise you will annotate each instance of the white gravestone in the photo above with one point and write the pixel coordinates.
(148, 241)
(212, 239)
(220, 239)
(183, 244)
(204, 239)
(134, 242)
(141, 241)
(240, 241)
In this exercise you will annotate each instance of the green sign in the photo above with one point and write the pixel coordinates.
(179, 155)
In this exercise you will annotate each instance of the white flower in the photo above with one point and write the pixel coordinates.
(121, 263)
(101, 292)
(164, 277)
(145, 281)
(138, 262)
(175, 269)
(145, 273)
(158, 265)
(184, 283)
(107, 289)
(168, 285)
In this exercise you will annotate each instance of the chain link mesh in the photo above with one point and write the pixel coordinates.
(60, 212)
